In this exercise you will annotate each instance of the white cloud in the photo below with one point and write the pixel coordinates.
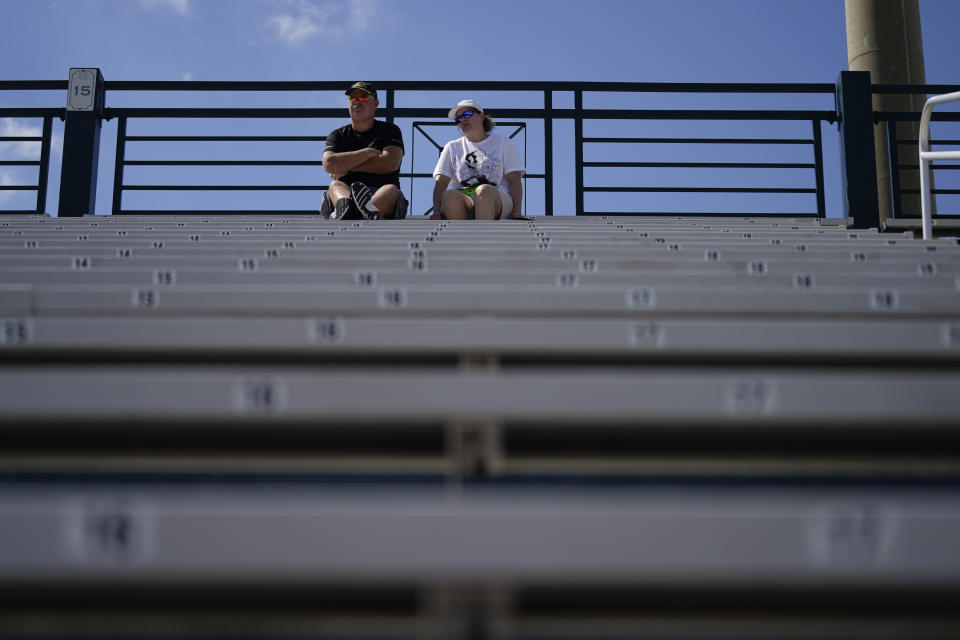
(187, 76)
(177, 6)
(335, 21)
(11, 127)
(6, 180)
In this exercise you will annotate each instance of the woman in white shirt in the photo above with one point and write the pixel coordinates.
(485, 169)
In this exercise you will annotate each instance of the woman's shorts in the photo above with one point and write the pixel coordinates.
(505, 199)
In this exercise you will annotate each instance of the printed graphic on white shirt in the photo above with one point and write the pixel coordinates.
(477, 165)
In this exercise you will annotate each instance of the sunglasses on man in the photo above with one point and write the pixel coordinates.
(466, 114)
(359, 98)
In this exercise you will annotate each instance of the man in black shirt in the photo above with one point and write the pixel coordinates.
(363, 158)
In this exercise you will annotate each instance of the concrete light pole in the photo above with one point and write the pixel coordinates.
(884, 38)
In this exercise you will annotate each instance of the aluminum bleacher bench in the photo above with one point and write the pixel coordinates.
(575, 428)
(355, 563)
(633, 325)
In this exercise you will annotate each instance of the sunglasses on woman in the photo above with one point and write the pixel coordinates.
(359, 98)
(466, 114)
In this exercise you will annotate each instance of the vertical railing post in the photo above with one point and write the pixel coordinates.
(858, 165)
(548, 153)
(81, 143)
(44, 178)
(818, 169)
(578, 147)
(119, 163)
(893, 155)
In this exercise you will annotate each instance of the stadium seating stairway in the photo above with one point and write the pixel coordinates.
(601, 427)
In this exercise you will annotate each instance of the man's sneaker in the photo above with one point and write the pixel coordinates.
(344, 210)
(361, 196)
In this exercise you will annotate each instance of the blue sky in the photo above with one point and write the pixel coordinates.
(604, 40)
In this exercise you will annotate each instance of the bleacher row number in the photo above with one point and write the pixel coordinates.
(803, 282)
(80, 263)
(589, 266)
(927, 269)
(248, 264)
(146, 298)
(365, 278)
(567, 280)
(751, 397)
(109, 531)
(260, 396)
(417, 264)
(951, 335)
(569, 255)
(17, 332)
(332, 330)
(884, 300)
(757, 267)
(164, 277)
(853, 536)
(647, 335)
(392, 298)
(641, 298)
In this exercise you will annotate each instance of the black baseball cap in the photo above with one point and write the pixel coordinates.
(366, 87)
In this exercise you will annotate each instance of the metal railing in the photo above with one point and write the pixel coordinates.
(594, 149)
(546, 115)
(45, 139)
(895, 143)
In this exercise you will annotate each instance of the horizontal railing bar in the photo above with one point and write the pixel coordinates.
(32, 112)
(701, 140)
(221, 187)
(18, 187)
(701, 214)
(19, 163)
(946, 192)
(216, 212)
(225, 138)
(32, 85)
(932, 142)
(191, 187)
(21, 139)
(697, 190)
(704, 165)
(617, 87)
(914, 116)
(215, 112)
(230, 163)
(588, 114)
(914, 88)
(948, 167)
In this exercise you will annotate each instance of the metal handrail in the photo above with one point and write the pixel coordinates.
(926, 156)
